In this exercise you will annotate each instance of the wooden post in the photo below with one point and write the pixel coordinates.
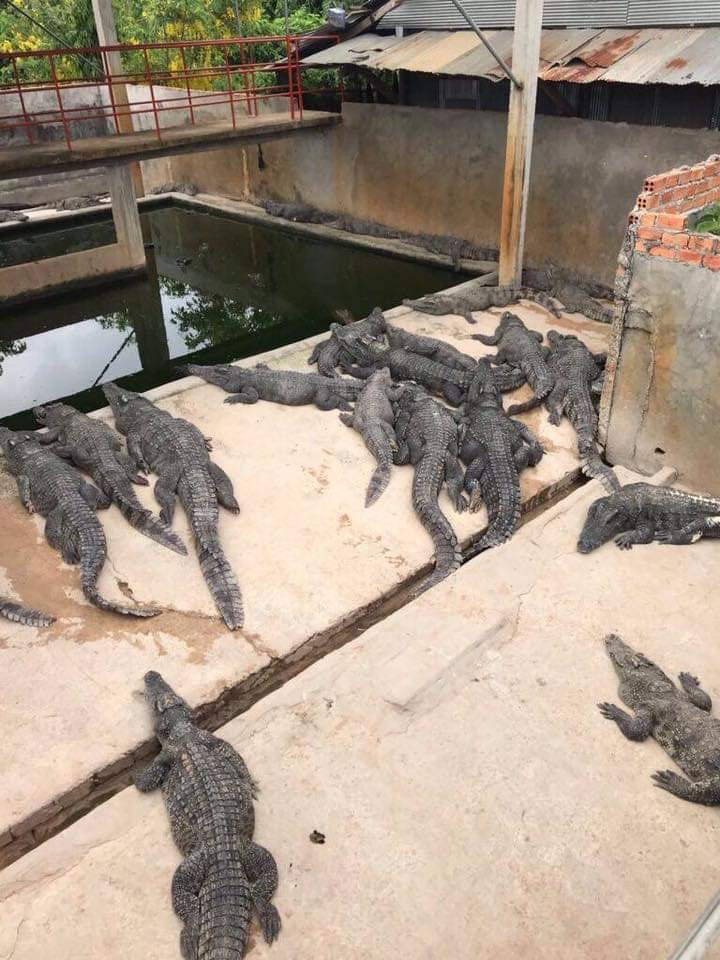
(107, 37)
(521, 121)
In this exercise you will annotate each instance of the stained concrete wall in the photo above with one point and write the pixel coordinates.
(665, 401)
(440, 171)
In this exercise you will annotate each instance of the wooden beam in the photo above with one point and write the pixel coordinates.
(521, 122)
(107, 37)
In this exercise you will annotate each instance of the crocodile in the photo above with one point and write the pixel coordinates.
(427, 437)
(576, 300)
(642, 512)
(16, 613)
(678, 719)
(97, 450)
(374, 418)
(51, 487)
(432, 348)
(575, 369)
(327, 353)
(250, 384)
(522, 348)
(478, 297)
(177, 452)
(496, 449)
(209, 793)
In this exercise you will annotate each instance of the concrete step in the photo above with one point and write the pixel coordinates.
(314, 566)
(475, 804)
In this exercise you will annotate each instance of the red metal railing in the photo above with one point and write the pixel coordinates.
(194, 76)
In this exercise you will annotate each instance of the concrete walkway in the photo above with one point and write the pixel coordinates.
(313, 564)
(475, 804)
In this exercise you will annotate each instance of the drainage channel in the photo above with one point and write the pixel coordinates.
(103, 784)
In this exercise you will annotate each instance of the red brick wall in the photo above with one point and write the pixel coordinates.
(662, 214)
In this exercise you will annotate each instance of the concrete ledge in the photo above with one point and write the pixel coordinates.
(315, 567)
(474, 801)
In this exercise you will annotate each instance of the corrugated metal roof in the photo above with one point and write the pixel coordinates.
(498, 14)
(661, 55)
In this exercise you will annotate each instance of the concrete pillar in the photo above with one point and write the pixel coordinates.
(125, 215)
(149, 323)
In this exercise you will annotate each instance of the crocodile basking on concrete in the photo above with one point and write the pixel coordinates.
(208, 793)
(16, 613)
(678, 719)
(250, 384)
(97, 450)
(642, 512)
(176, 451)
(496, 449)
(521, 348)
(374, 418)
(478, 298)
(328, 353)
(51, 487)
(575, 369)
(427, 437)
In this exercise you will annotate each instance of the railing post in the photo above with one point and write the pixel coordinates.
(111, 92)
(290, 76)
(148, 77)
(187, 86)
(230, 90)
(66, 128)
(26, 115)
(296, 45)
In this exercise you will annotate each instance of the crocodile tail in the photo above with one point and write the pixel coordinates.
(225, 909)
(144, 522)
(540, 379)
(448, 556)
(378, 482)
(16, 613)
(196, 490)
(500, 488)
(544, 300)
(581, 414)
(530, 404)
(92, 560)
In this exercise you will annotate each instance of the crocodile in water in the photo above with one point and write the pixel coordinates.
(98, 450)
(374, 418)
(642, 512)
(209, 793)
(427, 437)
(678, 719)
(496, 449)
(250, 384)
(51, 487)
(176, 451)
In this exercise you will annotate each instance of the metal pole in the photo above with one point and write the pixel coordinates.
(500, 62)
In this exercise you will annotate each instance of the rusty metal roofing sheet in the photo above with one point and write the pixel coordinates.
(648, 55)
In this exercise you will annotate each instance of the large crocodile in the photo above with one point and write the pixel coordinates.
(478, 297)
(177, 452)
(51, 487)
(678, 719)
(328, 353)
(17, 613)
(496, 449)
(209, 793)
(642, 512)
(575, 369)
(522, 348)
(250, 384)
(374, 418)
(427, 437)
(96, 449)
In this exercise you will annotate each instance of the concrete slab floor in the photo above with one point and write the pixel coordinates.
(309, 557)
(475, 803)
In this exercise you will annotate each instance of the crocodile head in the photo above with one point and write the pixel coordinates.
(169, 710)
(483, 389)
(17, 446)
(52, 414)
(357, 347)
(124, 404)
(632, 667)
(606, 518)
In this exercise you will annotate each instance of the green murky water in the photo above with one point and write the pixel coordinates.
(217, 290)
